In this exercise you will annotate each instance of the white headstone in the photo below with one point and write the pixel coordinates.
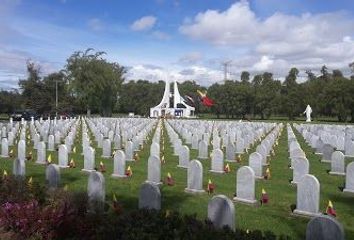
(119, 164)
(203, 150)
(129, 152)
(327, 151)
(19, 168)
(89, 160)
(245, 185)
(150, 196)
(63, 156)
(41, 153)
(337, 163)
(52, 176)
(96, 192)
(308, 196)
(349, 178)
(183, 157)
(106, 148)
(221, 212)
(51, 143)
(217, 161)
(195, 177)
(4, 148)
(324, 228)
(117, 141)
(255, 162)
(230, 152)
(21, 150)
(300, 168)
(154, 170)
(155, 149)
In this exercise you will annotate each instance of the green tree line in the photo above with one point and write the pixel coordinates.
(90, 83)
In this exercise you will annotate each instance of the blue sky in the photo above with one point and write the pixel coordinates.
(178, 39)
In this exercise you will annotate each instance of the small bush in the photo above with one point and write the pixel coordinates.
(31, 212)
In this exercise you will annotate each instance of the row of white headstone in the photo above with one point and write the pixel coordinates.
(317, 137)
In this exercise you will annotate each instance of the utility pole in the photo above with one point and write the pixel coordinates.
(226, 64)
(56, 98)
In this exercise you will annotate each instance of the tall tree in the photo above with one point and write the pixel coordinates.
(33, 89)
(94, 80)
(291, 94)
(245, 77)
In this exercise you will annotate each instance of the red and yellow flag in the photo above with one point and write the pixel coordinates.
(169, 180)
(49, 159)
(210, 187)
(102, 167)
(205, 100)
(129, 172)
(238, 158)
(29, 156)
(30, 182)
(4, 175)
(72, 164)
(330, 209)
(264, 197)
(136, 157)
(117, 207)
(267, 174)
(227, 168)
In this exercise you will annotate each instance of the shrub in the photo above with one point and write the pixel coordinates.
(31, 212)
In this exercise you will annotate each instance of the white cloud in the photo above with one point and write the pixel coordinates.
(95, 24)
(306, 41)
(190, 58)
(161, 35)
(203, 75)
(144, 23)
(263, 64)
(235, 25)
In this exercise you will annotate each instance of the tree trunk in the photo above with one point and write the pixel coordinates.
(88, 112)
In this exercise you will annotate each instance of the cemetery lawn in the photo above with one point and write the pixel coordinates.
(275, 216)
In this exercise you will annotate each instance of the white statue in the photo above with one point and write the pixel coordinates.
(308, 112)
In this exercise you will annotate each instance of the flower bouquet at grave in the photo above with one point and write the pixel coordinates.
(74, 150)
(136, 157)
(210, 187)
(30, 182)
(102, 167)
(49, 159)
(72, 164)
(163, 159)
(264, 197)
(267, 174)
(116, 206)
(11, 153)
(330, 209)
(227, 168)
(29, 156)
(169, 180)
(238, 158)
(129, 172)
(4, 175)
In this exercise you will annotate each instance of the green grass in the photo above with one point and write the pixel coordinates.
(275, 216)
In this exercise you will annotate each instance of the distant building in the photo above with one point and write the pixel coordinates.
(172, 104)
